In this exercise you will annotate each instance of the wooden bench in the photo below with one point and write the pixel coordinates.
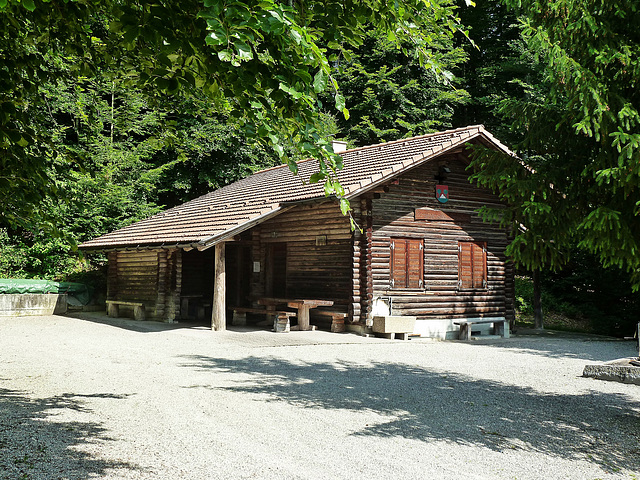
(240, 314)
(113, 308)
(337, 319)
(282, 322)
(465, 326)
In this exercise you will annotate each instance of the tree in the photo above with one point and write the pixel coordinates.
(390, 96)
(498, 68)
(262, 62)
(581, 145)
(124, 165)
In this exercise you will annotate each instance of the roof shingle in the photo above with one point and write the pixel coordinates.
(248, 201)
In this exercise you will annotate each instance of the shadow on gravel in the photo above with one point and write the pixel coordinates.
(557, 346)
(33, 446)
(429, 405)
(140, 326)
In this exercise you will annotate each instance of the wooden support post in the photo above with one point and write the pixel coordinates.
(303, 317)
(218, 317)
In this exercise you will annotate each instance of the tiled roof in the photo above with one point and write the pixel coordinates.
(236, 207)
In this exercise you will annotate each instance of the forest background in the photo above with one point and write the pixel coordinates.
(123, 150)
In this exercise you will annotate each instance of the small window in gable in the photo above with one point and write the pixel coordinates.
(472, 265)
(407, 263)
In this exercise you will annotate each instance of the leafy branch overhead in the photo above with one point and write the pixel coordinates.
(269, 61)
(263, 62)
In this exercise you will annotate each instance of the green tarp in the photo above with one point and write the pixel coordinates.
(77, 293)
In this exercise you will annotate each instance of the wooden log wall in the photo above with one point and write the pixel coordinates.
(168, 300)
(313, 271)
(357, 288)
(366, 278)
(258, 254)
(149, 276)
(176, 283)
(393, 215)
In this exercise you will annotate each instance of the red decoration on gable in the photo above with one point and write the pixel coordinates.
(442, 193)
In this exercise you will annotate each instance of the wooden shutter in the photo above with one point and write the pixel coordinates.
(398, 263)
(479, 255)
(472, 265)
(407, 263)
(414, 263)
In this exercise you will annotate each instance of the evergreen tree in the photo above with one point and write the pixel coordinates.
(390, 96)
(581, 145)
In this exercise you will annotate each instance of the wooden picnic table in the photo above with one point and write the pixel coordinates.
(303, 305)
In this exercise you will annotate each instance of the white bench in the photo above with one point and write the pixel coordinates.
(465, 326)
(114, 311)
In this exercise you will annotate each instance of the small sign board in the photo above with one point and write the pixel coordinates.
(433, 215)
(442, 193)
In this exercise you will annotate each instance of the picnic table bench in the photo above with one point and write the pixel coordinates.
(465, 326)
(240, 314)
(302, 305)
(281, 322)
(337, 319)
(113, 309)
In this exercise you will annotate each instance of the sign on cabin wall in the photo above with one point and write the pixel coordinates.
(439, 216)
(442, 193)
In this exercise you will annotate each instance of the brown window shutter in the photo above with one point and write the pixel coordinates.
(407, 263)
(415, 260)
(472, 265)
(479, 268)
(398, 263)
(465, 265)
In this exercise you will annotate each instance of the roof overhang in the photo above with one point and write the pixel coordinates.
(232, 232)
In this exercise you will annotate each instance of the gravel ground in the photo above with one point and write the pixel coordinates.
(91, 397)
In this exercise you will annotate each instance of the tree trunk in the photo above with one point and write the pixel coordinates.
(537, 301)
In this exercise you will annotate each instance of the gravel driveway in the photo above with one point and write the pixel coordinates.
(91, 397)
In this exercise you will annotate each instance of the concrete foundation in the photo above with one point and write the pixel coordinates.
(25, 304)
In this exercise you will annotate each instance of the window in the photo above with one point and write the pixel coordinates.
(472, 265)
(407, 261)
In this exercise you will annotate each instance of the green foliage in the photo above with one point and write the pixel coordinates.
(499, 67)
(263, 63)
(580, 143)
(524, 295)
(391, 96)
(207, 151)
(599, 298)
(120, 160)
(29, 256)
(30, 33)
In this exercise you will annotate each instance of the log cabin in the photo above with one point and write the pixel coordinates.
(420, 250)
